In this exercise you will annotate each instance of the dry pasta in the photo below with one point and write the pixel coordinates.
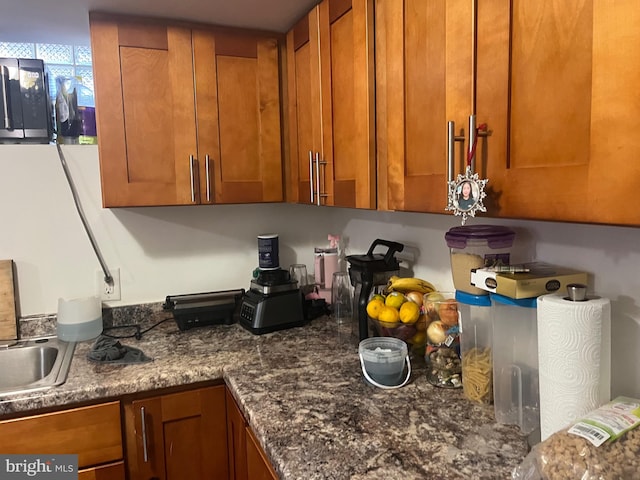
(477, 375)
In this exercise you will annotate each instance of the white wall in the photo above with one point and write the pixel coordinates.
(172, 250)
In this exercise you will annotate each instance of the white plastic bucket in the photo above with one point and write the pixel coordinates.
(383, 359)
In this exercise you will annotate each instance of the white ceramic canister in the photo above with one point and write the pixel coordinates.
(79, 319)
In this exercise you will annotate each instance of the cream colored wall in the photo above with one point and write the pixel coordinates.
(173, 250)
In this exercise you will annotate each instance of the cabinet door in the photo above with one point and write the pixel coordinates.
(558, 87)
(113, 471)
(93, 433)
(247, 460)
(238, 116)
(258, 466)
(331, 105)
(304, 106)
(145, 111)
(424, 69)
(348, 110)
(237, 440)
(177, 436)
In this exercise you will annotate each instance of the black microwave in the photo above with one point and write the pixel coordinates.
(24, 102)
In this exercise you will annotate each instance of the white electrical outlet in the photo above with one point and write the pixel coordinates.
(108, 291)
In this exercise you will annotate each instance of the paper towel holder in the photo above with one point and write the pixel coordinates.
(577, 292)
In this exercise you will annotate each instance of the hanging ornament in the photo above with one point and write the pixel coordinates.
(466, 192)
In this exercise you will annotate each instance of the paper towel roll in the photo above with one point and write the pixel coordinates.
(574, 357)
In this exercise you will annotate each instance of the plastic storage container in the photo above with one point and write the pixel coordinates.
(515, 362)
(477, 246)
(442, 352)
(383, 360)
(476, 347)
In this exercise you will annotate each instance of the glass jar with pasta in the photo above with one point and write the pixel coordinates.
(476, 347)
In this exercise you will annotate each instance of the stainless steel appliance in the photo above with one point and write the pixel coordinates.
(24, 102)
(273, 302)
(368, 271)
(201, 309)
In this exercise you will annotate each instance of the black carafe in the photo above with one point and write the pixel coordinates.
(367, 272)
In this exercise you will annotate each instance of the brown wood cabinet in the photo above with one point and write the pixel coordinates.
(177, 435)
(330, 87)
(423, 80)
(555, 84)
(93, 433)
(186, 114)
(113, 471)
(247, 460)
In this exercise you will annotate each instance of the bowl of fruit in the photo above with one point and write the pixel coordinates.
(399, 312)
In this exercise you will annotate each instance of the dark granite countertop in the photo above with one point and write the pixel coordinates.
(304, 396)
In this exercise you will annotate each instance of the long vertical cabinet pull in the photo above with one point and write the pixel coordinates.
(318, 178)
(318, 194)
(145, 452)
(474, 134)
(193, 187)
(452, 138)
(471, 154)
(208, 176)
(311, 175)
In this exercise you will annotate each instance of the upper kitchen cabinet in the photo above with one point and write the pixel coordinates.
(186, 115)
(423, 80)
(555, 83)
(238, 117)
(330, 86)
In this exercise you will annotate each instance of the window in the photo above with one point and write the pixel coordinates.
(60, 60)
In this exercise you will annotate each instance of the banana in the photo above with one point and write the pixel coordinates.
(410, 284)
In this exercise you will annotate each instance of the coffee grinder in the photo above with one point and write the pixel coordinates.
(367, 272)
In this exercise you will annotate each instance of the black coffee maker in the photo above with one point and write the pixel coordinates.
(367, 272)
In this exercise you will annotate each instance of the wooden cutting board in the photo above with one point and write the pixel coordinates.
(8, 324)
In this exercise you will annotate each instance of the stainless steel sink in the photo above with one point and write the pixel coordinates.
(27, 365)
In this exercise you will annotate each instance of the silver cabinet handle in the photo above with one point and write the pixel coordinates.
(318, 178)
(451, 144)
(208, 176)
(311, 174)
(318, 194)
(193, 187)
(450, 149)
(474, 133)
(471, 147)
(145, 453)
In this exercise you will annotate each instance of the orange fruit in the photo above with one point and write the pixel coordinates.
(409, 312)
(395, 300)
(374, 307)
(388, 315)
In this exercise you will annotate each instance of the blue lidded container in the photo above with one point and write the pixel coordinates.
(477, 246)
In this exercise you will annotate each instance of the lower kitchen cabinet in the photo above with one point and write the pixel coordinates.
(92, 432)
(114, 471)
(177, 436)
(247, 460)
